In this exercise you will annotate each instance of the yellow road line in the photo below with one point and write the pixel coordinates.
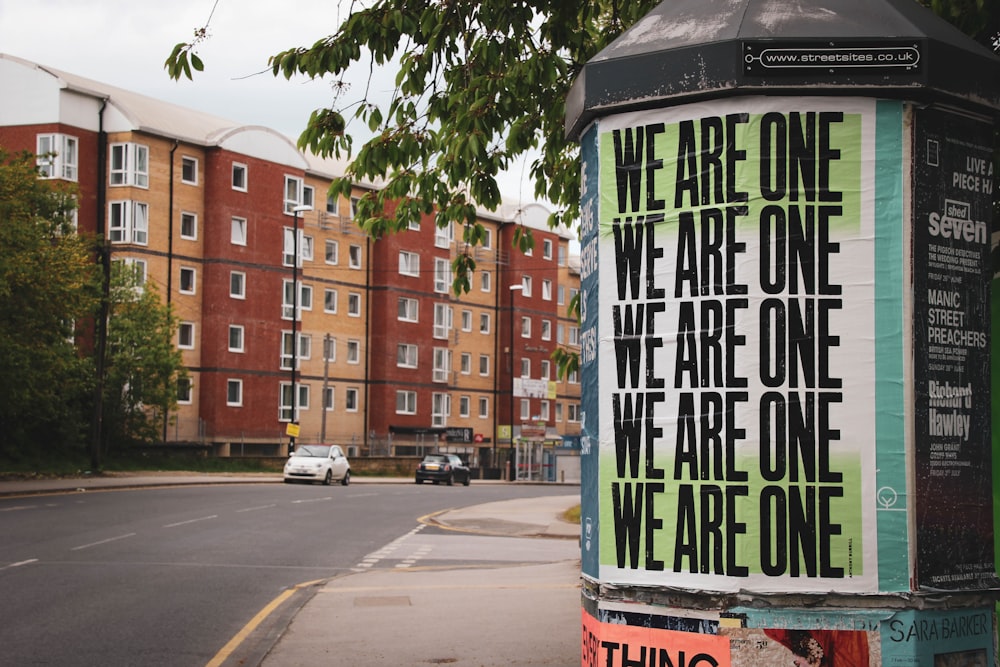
(241, 636)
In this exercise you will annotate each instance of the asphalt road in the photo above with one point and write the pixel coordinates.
(167, 576)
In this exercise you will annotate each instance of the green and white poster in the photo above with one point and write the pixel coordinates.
(737, 346)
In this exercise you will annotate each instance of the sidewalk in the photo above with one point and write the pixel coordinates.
(527, 615)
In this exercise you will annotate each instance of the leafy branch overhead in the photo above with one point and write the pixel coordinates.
(478, 86)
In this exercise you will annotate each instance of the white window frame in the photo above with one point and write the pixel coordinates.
(526, 285)
(485, 281)
(238, 231)
(293, 193)
(241, 177)
(238, 330)
(465, 363)
(406, 355)
(188, 280)
(546, 372)
(484, 365)
(237, 385)
(329, 398)
(354, 256)
(285, 401)
(128, 222)
(525, 326)
(547, 248)
(354, 304)
(466, 318)
(237, 280)
(485, 323)
(546, 333)
(330, 298)
(406, 402)
(185, 335)
(189, 160)
(191, 235)
(443, 321)
(444, 236)
(132, 166)
(57, 156)
(484, 407)
(442, 364)
(352, 397)
(185, 391)
(408, 309)
(353, 351)
(547, 290)
(409, 263)
(525, 367)
(440, 409)
(442, 275)
(464, 406)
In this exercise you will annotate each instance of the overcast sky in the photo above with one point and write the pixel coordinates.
(125, 42)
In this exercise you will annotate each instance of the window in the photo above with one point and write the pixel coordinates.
(574, 335)
(301, 402)
(544, 413)
(442, 275)
(443, 236)
(484, 408)
(189, 226)
(353, 351)
(406, 355)
(547, 248)
(485, 281)
(333, 205)
(442, 364)
(354, 207)
(560, 334)
(329, 300)
(573, 412)
(237, 285)
(409, 263)
(129, 165)
(304, 301)
(128, 222)
(546, 369)
(559, 412)
(466, 320)
(546, 330)
(189, 170)
(442, 320)
(305, 247)
(487, 239)
(238, 231)
(353, 304)
(465, 362)
(57, 156)
(293, 193)
(526, 285)
(329, 349)
(561, 292)
(287, 353)
(484, 323)
(464, 406)
(235, 338)
(547, 290)
(354, 256)
(406, 402)
(185, 335)
(184, 391)
(137, 267)
(351, 399)
(332, 252)
(525, 409)
(562, 255)
(525, 367)
(525, 327)
(239, 177)
(188, 277)
(484, 364)
(440, 409)
(234, 393)
(408, 309)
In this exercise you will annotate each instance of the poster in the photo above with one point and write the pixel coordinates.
(939, 638)
(614, 645)
(736, 345)
(953, 194)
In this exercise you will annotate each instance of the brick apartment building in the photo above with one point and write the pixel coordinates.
(382, 356)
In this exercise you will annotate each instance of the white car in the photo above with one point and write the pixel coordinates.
(318, 463)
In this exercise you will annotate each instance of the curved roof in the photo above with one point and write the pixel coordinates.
(684, 50)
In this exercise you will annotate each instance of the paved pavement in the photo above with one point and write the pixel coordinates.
(524, 614)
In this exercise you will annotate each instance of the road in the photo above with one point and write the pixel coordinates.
(167, 576)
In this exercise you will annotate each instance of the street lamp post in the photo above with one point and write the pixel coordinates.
(295, 316)
(510, 359)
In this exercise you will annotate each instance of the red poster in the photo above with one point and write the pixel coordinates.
(610, 645)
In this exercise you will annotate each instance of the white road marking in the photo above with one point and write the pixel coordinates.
(311, 500)
(184, 523)
(94, 544)
(19, 563)
(254, 509)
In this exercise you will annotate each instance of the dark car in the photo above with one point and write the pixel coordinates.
(446, 468)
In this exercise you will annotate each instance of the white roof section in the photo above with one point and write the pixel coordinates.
(48, 95)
